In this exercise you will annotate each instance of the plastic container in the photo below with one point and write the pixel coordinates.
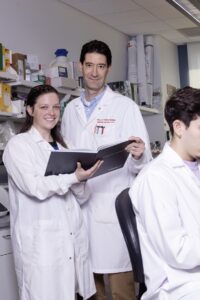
(41, 75)
(62, 60)
(28, 72)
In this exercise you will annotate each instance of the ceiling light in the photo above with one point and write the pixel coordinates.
(190, 8)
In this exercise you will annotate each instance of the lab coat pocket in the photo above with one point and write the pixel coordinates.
(48, 243)
(103, 208)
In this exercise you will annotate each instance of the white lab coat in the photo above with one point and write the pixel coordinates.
(114, 119)
(166, 199)
(48, 234)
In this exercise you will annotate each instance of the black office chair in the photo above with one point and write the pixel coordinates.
(127, 221)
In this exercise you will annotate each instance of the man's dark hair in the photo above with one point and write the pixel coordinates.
(96, 47)
(183, 105)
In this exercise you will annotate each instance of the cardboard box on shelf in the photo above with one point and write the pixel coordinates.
(18, 63)
(1, 57)
(33, 62)
(7, 58)
(5, 97)
(18, 106)
(1, 96)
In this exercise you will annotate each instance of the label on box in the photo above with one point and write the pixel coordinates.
(55, 72)
(62, 72)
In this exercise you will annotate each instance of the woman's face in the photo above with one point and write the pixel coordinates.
(45, 112)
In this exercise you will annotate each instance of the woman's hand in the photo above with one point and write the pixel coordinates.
(136, 148)
(83, 175)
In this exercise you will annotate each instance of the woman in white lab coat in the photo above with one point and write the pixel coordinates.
(49, 239)
(166, 200)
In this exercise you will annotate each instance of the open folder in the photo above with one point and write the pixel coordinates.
(65, 162)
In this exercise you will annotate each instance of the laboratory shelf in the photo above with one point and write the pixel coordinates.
(24, 83)
(13, 81)
(5, 116)
(7, 77)
(146, 111)
(61, 90)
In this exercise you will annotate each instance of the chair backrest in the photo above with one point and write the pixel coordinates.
(4, 198)
(127, 221)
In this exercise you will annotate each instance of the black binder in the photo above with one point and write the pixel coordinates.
(65, 162)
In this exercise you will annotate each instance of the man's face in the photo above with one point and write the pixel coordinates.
(190, 140)
(95, 71)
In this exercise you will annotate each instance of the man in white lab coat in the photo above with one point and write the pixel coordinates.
(99, 117)
(166, 200)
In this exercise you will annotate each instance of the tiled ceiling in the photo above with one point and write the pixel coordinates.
(141, 16)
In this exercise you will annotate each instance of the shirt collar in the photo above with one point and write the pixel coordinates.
(94, 100)
(173, 157)
(36, 135)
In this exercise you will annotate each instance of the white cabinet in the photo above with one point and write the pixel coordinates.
(8, 281)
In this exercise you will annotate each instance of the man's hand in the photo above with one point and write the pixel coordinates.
(83, 175)
(136, 148)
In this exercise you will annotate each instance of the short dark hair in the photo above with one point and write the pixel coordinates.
(183, 105)
(96, 47)
(31, 100)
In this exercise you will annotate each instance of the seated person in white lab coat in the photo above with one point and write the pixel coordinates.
(166, 200)
(49, 239)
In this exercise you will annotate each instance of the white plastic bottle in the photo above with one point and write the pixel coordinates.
(62, 60)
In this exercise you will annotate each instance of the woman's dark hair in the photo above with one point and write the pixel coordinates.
(96, 47)
(32, 97)
(183, 105)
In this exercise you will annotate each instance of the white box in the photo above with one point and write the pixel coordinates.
(17, 106)
(64, 82)
(33, 61)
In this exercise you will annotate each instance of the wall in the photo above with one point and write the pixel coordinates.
(169, 66)
(194, 64)
(42, 26)
(167, 54)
